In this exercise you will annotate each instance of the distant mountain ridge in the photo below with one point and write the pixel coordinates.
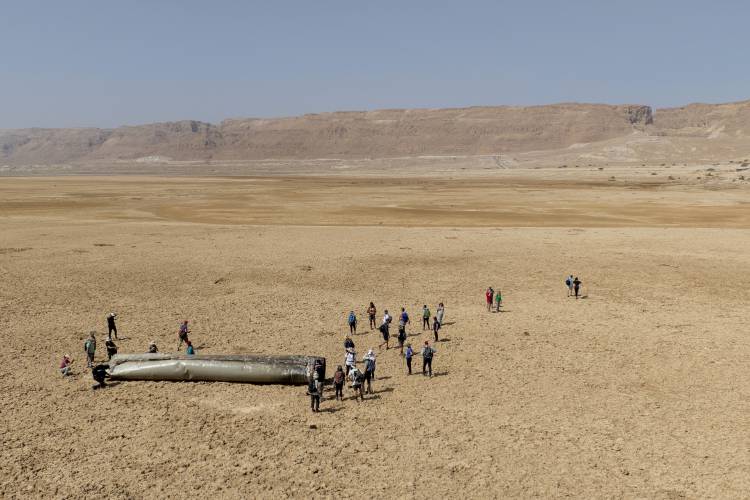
(376, 134)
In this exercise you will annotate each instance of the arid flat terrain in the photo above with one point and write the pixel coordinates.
(637, 390)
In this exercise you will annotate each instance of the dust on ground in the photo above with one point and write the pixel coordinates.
(636, 390)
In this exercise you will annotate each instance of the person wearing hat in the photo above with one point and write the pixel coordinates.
(427, 354)
(111, 325)
(315, 390)
(152, 349)
(357, 378)
(369, 361)
(89, 348)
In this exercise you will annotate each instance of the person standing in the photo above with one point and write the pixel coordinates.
(435, 328)
(488, 295)
(357, 379)
(352, 320)
(338, 383)
(569, 285)
(90, 348)
(427, 354)
(371, 313)
(65, 365)
(111, 347)
(384, 330)
(440, 313)
(314, 390)
(111, 327)
(425, 317)
(387, 318)
(409, 354)
(183, 334)
(350, 361)
(576, 286)
(498, 300)
(369, 361)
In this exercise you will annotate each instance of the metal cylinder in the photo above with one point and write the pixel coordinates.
(253, 369)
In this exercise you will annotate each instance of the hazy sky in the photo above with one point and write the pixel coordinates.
(107, 63)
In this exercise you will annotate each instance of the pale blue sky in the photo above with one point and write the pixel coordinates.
(107, 63)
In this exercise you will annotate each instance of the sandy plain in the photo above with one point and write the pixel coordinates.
(637, 391)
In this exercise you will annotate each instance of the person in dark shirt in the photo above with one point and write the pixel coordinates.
(99, 372)
(338, 383)
(183, 334)
(576, 286)
(111, 317)
(435, 327)
(111, 348)
(427, 354)
(348, 343)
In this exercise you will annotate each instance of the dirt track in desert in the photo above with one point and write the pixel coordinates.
(637, 390)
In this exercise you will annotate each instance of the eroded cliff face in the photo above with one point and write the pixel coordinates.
(366, 134)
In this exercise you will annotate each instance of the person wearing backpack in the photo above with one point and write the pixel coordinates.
(352, 319)
(427, 354)
(386, 335)
(369, 361)
(425, 317)
(314, 390)
(401, 339)
(89, 348)
(402, 322)
(338, 383)
(357, 379)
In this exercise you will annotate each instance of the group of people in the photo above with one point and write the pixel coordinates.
(99, 371)
(361, 380)
(573, 285)
(494, 299)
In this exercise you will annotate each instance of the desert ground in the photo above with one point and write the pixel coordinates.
(637, 390)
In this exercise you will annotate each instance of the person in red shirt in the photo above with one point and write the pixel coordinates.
(488, 295)
(65, 365)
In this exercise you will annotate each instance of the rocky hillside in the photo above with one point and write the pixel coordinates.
(385, 133)
(592, 131)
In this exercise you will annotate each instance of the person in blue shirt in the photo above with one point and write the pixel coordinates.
(190, 351)
(409, 355)
(352, 323)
